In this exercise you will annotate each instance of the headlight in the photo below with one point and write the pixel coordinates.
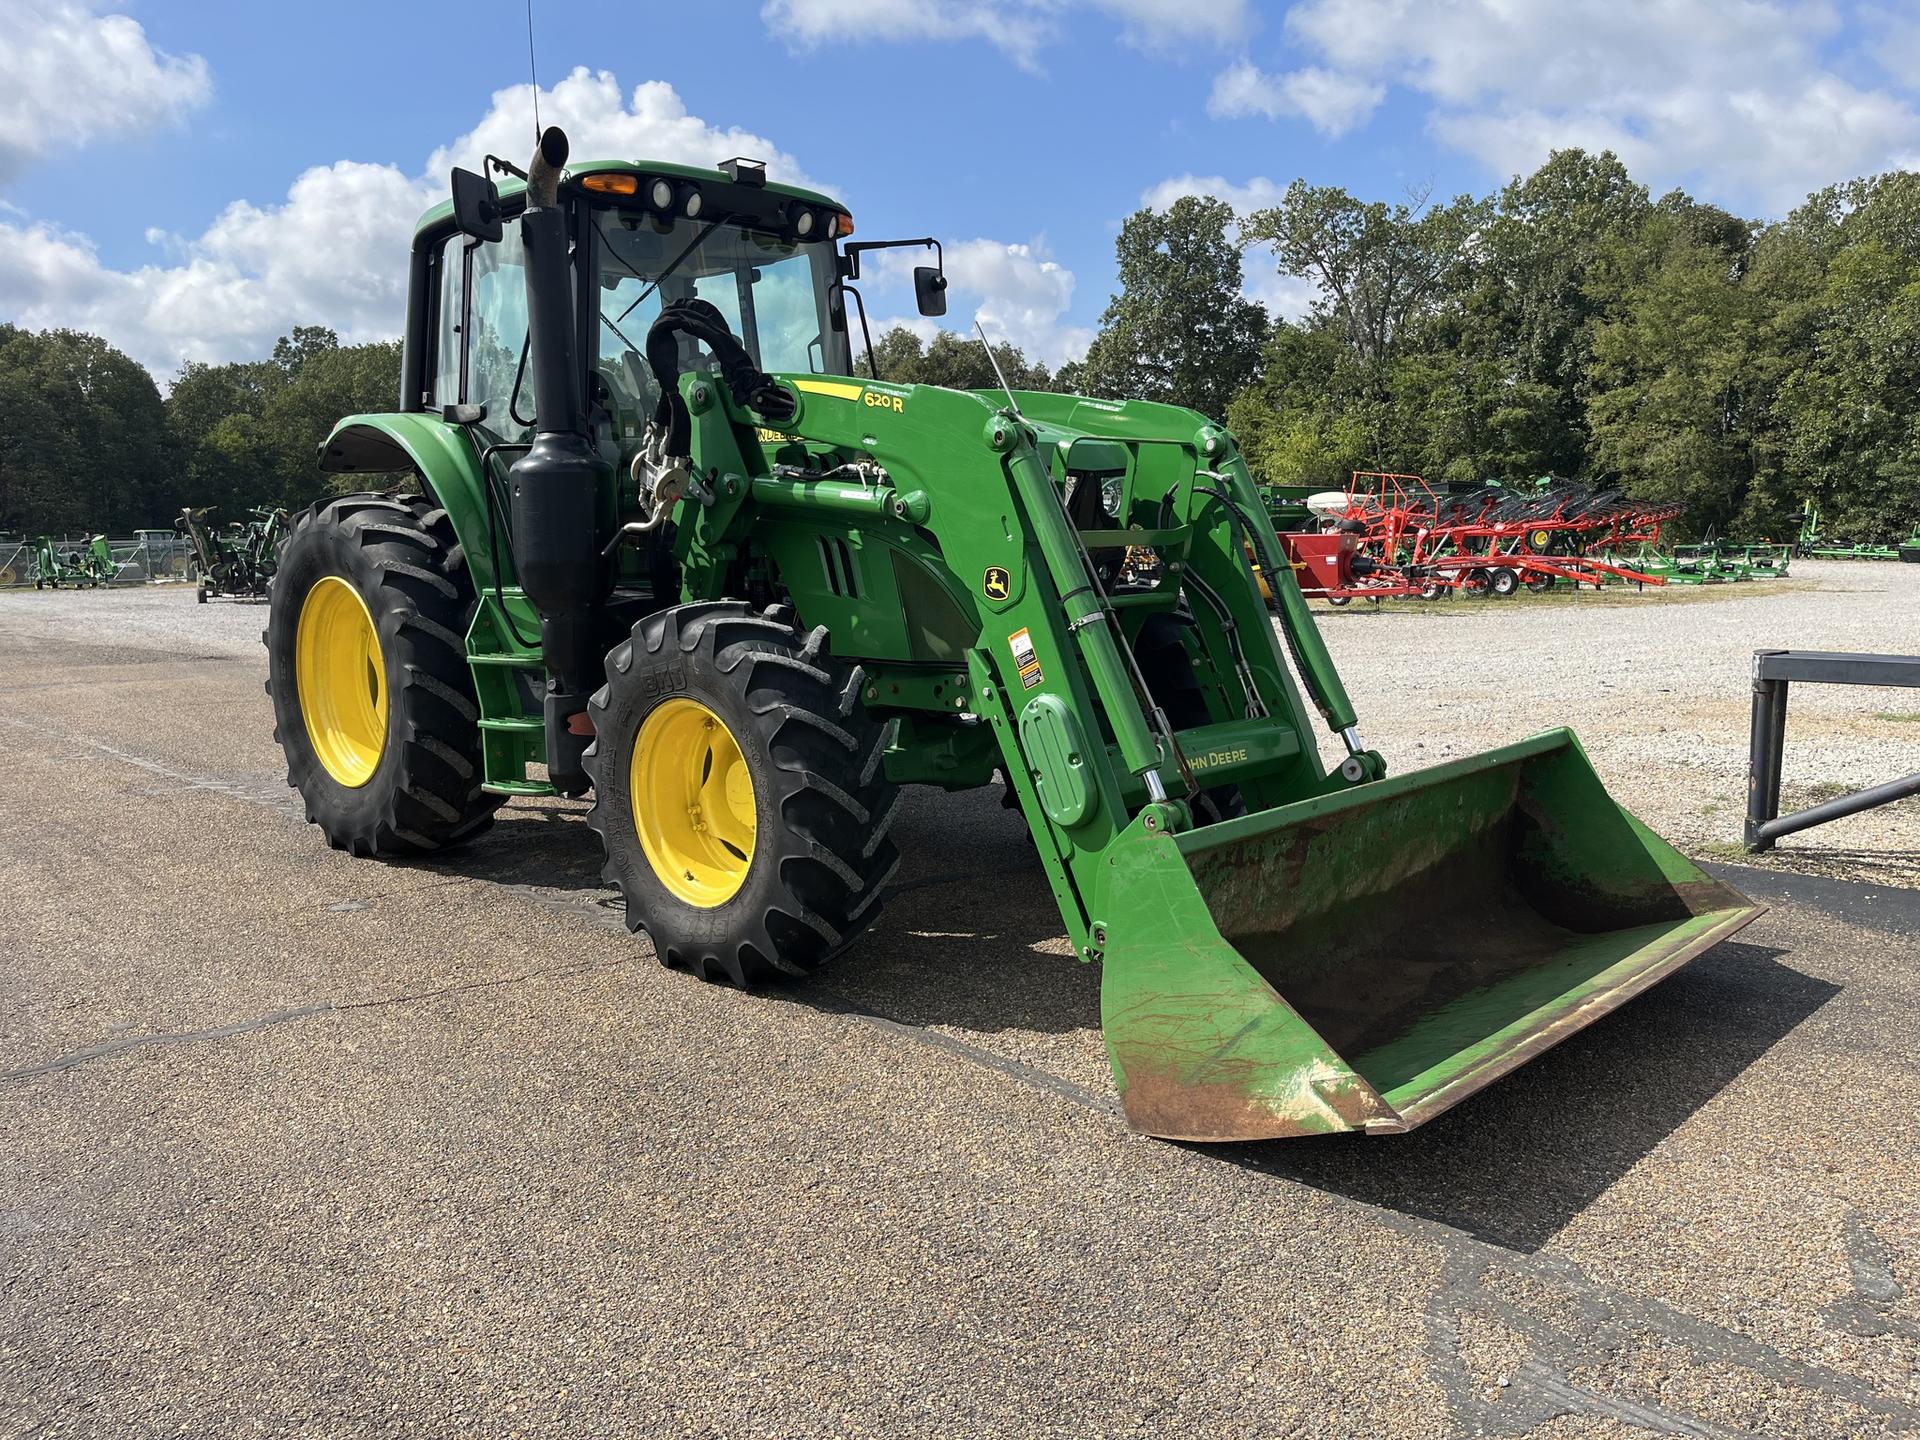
(805, 222)
(662, 195)
(690, 206)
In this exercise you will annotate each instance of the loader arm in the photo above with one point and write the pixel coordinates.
(966, 495)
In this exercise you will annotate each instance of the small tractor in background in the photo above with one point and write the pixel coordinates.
(91, 566)
(239, 560)
(659, 542)
(1816, 544)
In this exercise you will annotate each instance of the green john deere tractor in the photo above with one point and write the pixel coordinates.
(658, 541)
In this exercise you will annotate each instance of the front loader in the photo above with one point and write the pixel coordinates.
(659, 542)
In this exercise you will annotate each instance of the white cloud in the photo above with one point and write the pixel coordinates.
(1893, 43)
(1153, 23)
(1020, 28)
(924, 326)
(1331, 102)
(69, 75)
(1022, 294)
(1259, 193)
(1733, 98)
(1018, 292)
(1286, 297)
(604, 124)
(1017, 29)
(333, 252)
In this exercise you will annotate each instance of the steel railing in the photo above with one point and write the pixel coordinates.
(1773, 671)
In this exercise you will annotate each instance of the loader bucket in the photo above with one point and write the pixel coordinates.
(1364, 960)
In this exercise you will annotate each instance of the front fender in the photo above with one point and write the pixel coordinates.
(445, 459)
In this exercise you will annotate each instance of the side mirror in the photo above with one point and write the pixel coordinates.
(476, 205)
(930, 289)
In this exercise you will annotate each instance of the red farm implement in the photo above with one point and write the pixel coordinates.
(1392, 534)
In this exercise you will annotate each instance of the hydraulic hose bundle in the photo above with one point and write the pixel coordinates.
(750, 386)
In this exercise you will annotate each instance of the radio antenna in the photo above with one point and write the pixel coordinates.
(533, 74)
(999, 374)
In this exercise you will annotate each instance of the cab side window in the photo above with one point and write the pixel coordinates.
(445, 388)
(483, 320)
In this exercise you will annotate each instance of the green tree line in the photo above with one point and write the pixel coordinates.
(87, 442)
(1568, 324)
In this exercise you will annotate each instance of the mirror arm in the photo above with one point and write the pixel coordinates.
(850, 254)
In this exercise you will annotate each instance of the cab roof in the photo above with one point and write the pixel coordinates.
(512, 188)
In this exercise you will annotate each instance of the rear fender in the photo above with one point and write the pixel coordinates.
(448, 464)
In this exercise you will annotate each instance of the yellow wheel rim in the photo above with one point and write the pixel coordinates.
(342, 681)
(693, 803)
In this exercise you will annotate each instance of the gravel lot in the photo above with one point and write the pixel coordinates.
(1658, 686)
(291, 1143)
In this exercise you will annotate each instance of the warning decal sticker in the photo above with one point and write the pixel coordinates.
(1025, 659)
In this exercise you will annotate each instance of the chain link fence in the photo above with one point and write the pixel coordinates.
(144, 556)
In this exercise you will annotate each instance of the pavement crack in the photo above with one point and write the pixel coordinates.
(110, 1049)
(265, 794)
(1605, 1325)
(1032, 1076)
(563, 972)
(107, 1050)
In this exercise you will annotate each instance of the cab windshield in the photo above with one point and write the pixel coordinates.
(772, 292)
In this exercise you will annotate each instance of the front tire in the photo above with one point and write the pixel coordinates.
(740, 792)
(373, 702)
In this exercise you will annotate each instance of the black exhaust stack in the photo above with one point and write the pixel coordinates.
(558, 489)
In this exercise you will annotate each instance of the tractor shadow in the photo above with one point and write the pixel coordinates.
(545, 844)
(969, 937)
(1515, 1163)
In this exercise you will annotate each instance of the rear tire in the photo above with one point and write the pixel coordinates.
(810, 855)
(1504, 582)
(421, 790)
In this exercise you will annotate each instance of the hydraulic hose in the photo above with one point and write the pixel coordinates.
(701, 320)
(1290, 608)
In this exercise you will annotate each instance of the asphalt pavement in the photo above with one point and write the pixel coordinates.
(295, 1143)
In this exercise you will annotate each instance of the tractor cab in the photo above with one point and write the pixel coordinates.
(642, 236)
